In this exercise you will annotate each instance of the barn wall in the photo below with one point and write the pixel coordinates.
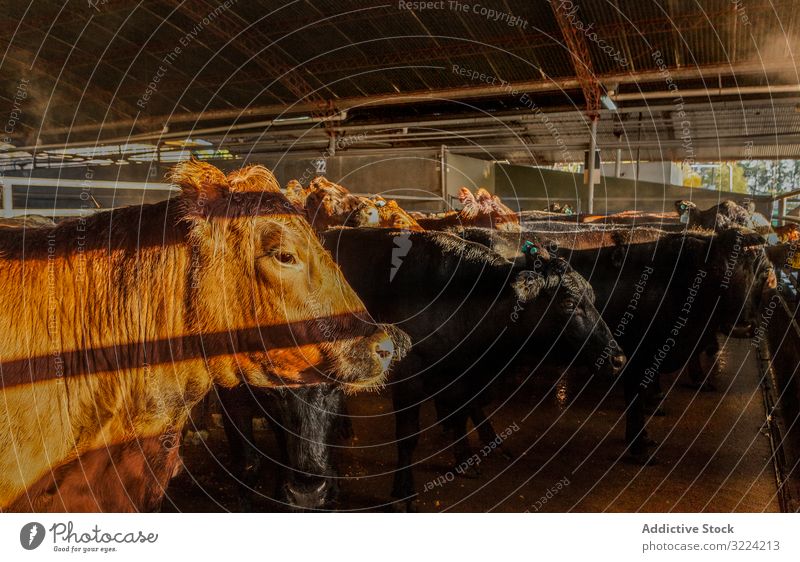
(534, 188)
(415, 180)
(464, 171)
(411, 178)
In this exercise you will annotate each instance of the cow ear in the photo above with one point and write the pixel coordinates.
(295, 193)
(535, 254)
(199, 181)
(253, 178)
(527, 285)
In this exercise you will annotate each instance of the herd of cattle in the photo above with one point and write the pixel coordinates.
(285, 301)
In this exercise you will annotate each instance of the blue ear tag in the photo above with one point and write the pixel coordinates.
(529, 248)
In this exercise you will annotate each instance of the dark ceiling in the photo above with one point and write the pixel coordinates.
(88, 70)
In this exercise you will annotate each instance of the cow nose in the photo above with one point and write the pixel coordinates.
(384, 349)
(300, 497)
(618, 362)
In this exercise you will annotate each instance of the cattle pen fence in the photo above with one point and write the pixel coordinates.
(59, 197)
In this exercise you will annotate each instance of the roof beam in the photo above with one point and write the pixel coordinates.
(457, 93)
(581, 59)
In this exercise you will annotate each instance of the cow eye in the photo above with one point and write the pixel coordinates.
(285, 258)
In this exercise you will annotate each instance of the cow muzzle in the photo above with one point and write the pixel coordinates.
(384, 350)
(370, 360)
(617, 363)
(310, 497)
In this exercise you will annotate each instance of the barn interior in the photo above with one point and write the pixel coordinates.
(412, 101)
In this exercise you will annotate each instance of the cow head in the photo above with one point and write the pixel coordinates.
(486, 210)
(310, 420)
(554, 293)
(296, 193)
(265, 291)
(328, 204)
(687, 211)
(391, 215)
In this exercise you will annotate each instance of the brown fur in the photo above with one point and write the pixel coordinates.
(592, 239)
(631, 217)
(328, 205)
(393, 216)
(115, 325)
(480, 210)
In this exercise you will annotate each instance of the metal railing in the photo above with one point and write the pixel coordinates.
(781, 199)
(7, 184)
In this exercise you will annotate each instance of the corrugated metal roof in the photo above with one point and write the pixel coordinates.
(87, 64)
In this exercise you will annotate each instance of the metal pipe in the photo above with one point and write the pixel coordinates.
(548, 85)
(8, 199)
(590, 175)
(702, 92)
(443, 164)
(789, 218)
(730, 177)
(786, 195)
(184, 134)
(618, 164)
(332, 143)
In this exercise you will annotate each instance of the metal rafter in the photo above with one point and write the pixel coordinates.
(581, 60)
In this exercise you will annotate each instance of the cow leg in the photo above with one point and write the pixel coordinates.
(653, 397)
(456, 427)
(486, 431)
(698, 377)
(635, 433)
(407, 435)
(246, 461)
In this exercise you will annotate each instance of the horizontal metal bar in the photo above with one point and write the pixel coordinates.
(86, 184)
(786, 195)
(52, 213)
(402, 197)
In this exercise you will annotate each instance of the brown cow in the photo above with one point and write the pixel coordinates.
(328, 204)
(115, 325)
(480, 210)
(391, 215)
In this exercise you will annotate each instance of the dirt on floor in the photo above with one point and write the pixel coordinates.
(563, 451)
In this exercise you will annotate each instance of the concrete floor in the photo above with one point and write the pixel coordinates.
(566, 456)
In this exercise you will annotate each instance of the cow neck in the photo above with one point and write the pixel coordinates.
(104, 357)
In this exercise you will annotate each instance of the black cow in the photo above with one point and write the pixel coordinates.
(469, 312)
(697, 285)
(306, 422)
(642, 289)
(728, 214)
